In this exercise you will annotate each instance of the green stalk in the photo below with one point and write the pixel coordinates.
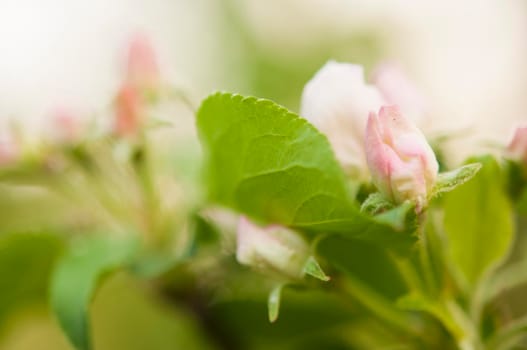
(382, 308)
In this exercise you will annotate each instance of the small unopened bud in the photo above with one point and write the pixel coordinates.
(142, 69)
(517, 149)
(129, 111)
(271, 249)
(402, 163)
(140, 86)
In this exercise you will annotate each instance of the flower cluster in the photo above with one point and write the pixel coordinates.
(371, 138)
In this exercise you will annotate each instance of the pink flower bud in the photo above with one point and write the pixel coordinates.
(142, 81)
(271, 249)
(142, 70)
(517, 148)
(402, 163)
(337, 101)
(129, 110)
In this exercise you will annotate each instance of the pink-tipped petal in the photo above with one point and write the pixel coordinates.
(517, 148)
(377, 155)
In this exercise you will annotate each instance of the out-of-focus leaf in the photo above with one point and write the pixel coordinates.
(202, 233)
(76, 278)
(449, 180)
(418, 302)
(509, 336)
(151, 264)
(274, 166)
(509, 277)
(127, 316)
(25, 265)
(245, 321)
(478, 222)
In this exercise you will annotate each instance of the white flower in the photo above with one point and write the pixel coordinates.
(337, 100)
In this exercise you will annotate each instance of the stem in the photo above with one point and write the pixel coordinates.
(470, 339)
(149, 194)
(409, 274)
(381, 307)
(425, 257)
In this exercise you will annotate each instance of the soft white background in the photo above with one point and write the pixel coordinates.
(469, 57)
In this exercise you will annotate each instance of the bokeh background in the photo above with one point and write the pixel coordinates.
(469, 59)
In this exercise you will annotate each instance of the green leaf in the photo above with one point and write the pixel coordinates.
(312, 268)
(478, 222)
(274, 166)
(509, 277)
(371, 264)
(76, 278)
(273, 303)
(26, 261)
(448, 181)
(375, 203)
(399, 217)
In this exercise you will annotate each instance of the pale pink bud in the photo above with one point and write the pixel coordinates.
(271, 249)
(397, 89)
(142, 70)
(402, 163)
(129, 110)
(517, 148)
(337, 101)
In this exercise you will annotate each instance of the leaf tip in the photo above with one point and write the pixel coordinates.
(313, 269)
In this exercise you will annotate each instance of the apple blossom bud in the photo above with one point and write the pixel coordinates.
(142, 70)
(142, 81)
(272, 249)
(337, 101)
(517, 148)
(129, 110)
(402, 163)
